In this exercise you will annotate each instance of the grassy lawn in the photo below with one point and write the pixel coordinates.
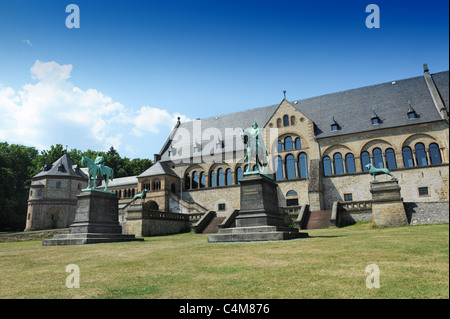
(331, 263)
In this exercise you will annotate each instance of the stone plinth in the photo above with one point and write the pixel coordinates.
(96, 221)
(387, 204)
(143, 221)
(259, 218)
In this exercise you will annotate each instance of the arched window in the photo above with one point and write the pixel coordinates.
(220, 177)
(291, 193)
(298, 143)
(157, 184)
(202, 180)
(286, 120)
(228, 177)
(279, 169)
(278, 122)
(421, 155)
(303, 165)
(365, 159)
(280, 146)
(238, 175)
(408, 160)
(435, 154)
(377, 158)
(290, 167)
(391, 162)
(338, 164)
(187, 181)
(327, 170)
(292, 120)
(195, 180)
(350, 163)
(212, 179)
(291, 198)
(288, 144)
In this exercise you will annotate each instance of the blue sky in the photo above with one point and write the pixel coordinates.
(133, 67)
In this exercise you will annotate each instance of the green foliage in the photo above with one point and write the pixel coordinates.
(16, 167)
(18, 164)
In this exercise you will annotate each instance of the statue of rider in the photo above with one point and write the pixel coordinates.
(100, 161)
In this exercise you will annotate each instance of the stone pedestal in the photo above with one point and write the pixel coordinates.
(96, 221)
(387, 204)
(259, 218)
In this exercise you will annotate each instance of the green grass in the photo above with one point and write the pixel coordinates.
(413, 263)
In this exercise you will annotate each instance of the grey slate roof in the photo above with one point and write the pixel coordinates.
(441, 80)
(62, 167)
(351, 109)
(121, 181)
(238, 120)
(158, 169)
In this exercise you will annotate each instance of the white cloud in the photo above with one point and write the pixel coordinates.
(50, 71)
(151, 119)
(27, 42)
(54, 110)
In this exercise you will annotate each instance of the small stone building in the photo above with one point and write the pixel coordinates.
(52, 201)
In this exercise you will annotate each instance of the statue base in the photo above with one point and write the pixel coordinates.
(259, 218)
(387, 204)
(96, 221)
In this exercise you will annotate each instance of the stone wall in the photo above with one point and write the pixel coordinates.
(417, 213)
(143, 222)
(436, 178)
(210, 198)
(427, 213)
(33, 235)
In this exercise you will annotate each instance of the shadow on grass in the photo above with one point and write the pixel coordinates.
(325, 236)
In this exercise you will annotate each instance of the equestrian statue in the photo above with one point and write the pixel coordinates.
(97, 168)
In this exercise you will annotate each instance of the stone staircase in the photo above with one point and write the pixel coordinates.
(319, 219)
(213, 226)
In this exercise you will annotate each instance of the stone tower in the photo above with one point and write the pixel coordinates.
(52, 200)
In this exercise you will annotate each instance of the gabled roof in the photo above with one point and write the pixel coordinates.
(120, 181)
(238, 120)
(62, 167)
(441, 80)
(158, 169)
(352, 109)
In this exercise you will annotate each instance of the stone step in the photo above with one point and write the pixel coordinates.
(88, 238)
(213, 226)
(319, 219)
(256, 236)
(256, 229)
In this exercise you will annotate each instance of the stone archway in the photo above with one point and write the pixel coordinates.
(151, 205)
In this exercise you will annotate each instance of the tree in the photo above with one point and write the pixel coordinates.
(18, 164)
(16, 168)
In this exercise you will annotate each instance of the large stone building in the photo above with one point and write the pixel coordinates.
(317, 149)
